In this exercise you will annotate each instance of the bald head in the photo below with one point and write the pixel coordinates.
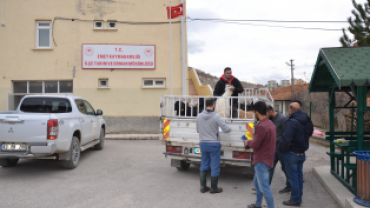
(294, 107)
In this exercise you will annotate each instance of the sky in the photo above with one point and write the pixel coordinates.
(258, 54)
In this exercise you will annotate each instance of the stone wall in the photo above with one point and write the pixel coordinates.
(132, 124)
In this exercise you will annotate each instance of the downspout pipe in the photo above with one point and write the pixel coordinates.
(3, 11)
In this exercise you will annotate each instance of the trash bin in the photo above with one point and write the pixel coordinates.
(363, 178)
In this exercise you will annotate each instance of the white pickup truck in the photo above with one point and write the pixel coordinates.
(180, 136)
(50, 127)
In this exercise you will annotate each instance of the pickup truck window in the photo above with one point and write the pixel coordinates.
(81, 106)
(46, 105)
(89, 108)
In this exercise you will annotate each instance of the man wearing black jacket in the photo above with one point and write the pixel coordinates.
(295, 142)
(228, 78)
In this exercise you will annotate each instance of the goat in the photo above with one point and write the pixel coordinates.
(223, 103)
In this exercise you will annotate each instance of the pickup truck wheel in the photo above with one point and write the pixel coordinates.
(74, 152)
(183, 166)
(8, 162)
(100, 146)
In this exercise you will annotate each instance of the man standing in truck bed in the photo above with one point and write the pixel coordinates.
(208, 123)
(228, 78)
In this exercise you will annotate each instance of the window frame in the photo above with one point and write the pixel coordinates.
(102, 86)
(37, 34)
(154, 83)
(99, 28)
(86, 103)
(78, 107)
(43, 88)
(112, 28)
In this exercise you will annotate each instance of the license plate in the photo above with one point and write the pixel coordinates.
(196, 150)
(13, 147)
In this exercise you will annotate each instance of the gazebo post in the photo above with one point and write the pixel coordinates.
(331, 126)
(360, 116)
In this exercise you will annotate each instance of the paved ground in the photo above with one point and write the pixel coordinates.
(136, 174)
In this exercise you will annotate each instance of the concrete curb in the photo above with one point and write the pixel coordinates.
(132, 136)
(339, 192)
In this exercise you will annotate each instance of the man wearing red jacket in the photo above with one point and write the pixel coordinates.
(228, 78)
(264, 145)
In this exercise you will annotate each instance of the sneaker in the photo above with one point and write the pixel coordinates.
(253, 206)
(285, 190)
(291, 203)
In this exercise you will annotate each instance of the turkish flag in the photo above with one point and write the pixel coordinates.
(176, 11)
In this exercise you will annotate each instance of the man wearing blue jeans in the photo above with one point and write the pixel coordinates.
(297, 131)
(263, 144)
(208, 124)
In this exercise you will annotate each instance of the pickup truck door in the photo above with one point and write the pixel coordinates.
(85, 122)
(93, 120)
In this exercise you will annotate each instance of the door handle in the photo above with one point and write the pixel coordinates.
(82, 120)
(92, 121)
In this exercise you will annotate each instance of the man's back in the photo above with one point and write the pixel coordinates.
(279, 122)
(298, 129)
(208, 123)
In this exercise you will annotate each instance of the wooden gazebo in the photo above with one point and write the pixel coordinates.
(345, 70)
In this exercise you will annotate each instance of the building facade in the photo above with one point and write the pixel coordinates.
(285, 82)
(116, 54)
(299, 81)
(272, 84)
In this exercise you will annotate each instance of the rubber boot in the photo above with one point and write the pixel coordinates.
(214, 186)
(203, 182)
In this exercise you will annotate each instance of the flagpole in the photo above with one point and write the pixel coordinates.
(171, 49)
(183, 50)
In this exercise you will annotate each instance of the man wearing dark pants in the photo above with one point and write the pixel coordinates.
(297, 131)
(263, 144)
(279, 121)
(208, 124)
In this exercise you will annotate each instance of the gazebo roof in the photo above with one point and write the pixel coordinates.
(341, 67)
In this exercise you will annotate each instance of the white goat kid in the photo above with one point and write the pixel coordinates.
(223, 103)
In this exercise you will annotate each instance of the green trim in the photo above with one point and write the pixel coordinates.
(332, 71)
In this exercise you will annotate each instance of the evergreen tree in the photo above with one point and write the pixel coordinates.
(359, 27)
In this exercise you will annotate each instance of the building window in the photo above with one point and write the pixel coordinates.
(20, 87)
(42, 87)
(98, 24)
(154, 83)
(112, 25)
(43, 34)
(35, 86)
(51, 86)
(103, 83)
(65, 86)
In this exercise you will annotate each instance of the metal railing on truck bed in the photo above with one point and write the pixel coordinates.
(188, 107)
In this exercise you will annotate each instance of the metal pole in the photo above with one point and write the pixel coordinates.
(171, 49)
(292, 80)
(3, 20)
(331, 126)
(183, 50)
(291, 67)
(360, 116)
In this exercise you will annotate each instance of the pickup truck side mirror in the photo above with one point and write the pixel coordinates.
(99, 112)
